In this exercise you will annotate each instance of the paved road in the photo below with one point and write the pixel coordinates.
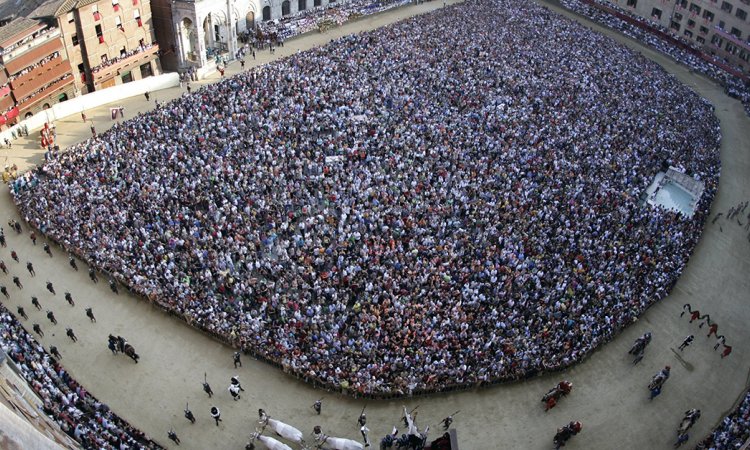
(609, 397)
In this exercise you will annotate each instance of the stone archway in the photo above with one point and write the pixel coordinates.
(250, 20)
(187, 37)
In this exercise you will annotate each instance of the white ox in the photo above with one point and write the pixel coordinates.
(270, 443)
(284, 430)
(335, 443)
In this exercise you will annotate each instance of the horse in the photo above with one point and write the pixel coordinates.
(691, 416)
(130, 351)
(269, 442)
(282, 429)
(552, 396)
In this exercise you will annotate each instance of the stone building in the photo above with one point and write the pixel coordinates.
(35, 71)
(109, 42)
(721, 27)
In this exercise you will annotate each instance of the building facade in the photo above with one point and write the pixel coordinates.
(108, 42)
(35, 72)
(720, 27)
(201, 29)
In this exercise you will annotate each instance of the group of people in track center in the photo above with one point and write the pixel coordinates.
(325, 209)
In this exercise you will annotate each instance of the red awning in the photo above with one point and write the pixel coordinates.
(5, 90)
(13, 113)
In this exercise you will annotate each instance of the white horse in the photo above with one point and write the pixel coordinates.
(282, 429)
(335, 443)
(269, 442)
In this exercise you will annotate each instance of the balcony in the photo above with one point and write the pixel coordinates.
(37, 78)
(54, 34)
(6, 103)
(732, 38)
(32, 56)
(48, 91)
(122, 65)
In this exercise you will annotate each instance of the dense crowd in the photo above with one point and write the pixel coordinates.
(332, 13)
(733, 432)
(78, 413)
(441, 202)
(686, 53)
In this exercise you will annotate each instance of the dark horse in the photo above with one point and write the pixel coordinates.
(130, 351)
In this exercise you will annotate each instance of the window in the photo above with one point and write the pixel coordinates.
(146, 70)
(731, 48)
(135, 2)
(691, 23)
(123, 52)
(701, 39)
(716, 40)
(95, 10)
(695, 9)
(708, 15)
(127, 77)
(741, 13)
(137, 17)
(71, 17)
(99, 34)
(736, 32)
(316, 2)
(726, 7)
(656, 13)
(632, 3)
(266, 13)
(74, 39)
(285, 8)
(678, 17)
(682, 3)
(301, 5)
(116, 5)
(688, 33)
(62, 97)
(104, 58)
(675, 26)
(722, 24)
(118, 23)
(703, 30)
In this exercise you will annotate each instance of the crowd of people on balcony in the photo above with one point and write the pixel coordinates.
(34, 66)
(77, 412)
(441, 202)
(107, 62)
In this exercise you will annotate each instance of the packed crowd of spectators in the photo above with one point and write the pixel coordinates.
(733, 432)
(687, 53)
(78, 413)
(441, 202)
(333, 13)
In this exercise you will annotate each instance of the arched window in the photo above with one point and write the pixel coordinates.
(266, 13)
(301, 5)
(285, 8)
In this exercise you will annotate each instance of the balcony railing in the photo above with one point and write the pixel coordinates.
(39, 40)
(114, 67)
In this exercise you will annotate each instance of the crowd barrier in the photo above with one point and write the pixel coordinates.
(89, 101)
